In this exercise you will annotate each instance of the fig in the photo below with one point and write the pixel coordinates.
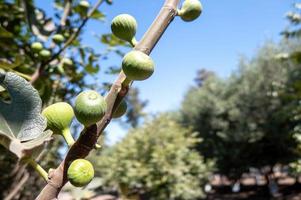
(84, 4)
(80, 172)
(67, 62)
(45, 54)
(137, 65)
(36, 46)
(59, 117)
(89, 107)
(124, 27)
(121, 109)
(58, 38)
(190, 10)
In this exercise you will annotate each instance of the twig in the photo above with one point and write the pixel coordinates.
(88, 138)
(67, 9)
(40, 69)
(16, 189)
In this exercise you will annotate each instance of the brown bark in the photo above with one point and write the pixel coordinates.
(89, 136)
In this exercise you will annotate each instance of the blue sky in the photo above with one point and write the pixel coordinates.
(215, 41)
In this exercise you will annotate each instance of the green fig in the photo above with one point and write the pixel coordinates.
(80, 173)
(84, 4)
(137, 65)
(67, 62)
(58, 38)
(59, 117)
(66, 35)
(121, 109)
(89, 107)
(190, 10)
(45, 54)
(36, 46)
(124, 27)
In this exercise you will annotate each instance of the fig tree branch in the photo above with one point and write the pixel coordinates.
(40, 68)
(88, 138)
(67, 9)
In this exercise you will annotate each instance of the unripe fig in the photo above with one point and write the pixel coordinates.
(66, 35)
(124, 27)
(59, 117)
(60, 69)
(58, 38)
(121, 109)
(80, 172)
(89, 107)
(137, 65)
(36, 46)
(84, 4)
(190, 10)
(67, 62)
(45, 54)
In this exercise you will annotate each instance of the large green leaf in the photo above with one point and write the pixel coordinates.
(21, 123)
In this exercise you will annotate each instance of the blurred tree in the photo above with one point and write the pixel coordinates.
(202, 76)
(292, 92)
(155, 161)
(243, 120)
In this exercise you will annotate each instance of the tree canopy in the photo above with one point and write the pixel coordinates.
(156, 161)
(244, 119)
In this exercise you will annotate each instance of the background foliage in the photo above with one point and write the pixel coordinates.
(244, 119)
(155, 161)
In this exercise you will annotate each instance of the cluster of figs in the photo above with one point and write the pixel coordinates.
(90, 106)
(45, 54)
(58, 39)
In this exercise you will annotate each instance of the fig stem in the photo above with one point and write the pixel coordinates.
(126, 82)
(133, 42)
(68, 137)
(38, 168)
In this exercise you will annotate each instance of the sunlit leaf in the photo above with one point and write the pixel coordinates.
(92, 69)
(111, 40)
(4, 33)
(98, 15)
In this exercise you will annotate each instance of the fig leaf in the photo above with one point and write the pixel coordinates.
(21, 123)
